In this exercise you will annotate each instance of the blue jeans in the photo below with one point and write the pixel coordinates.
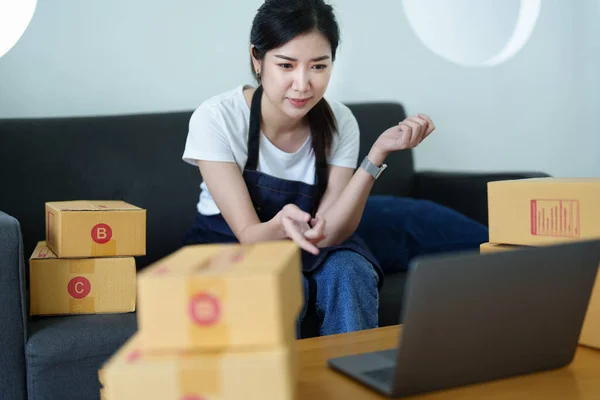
(397, 229)
(347, 298)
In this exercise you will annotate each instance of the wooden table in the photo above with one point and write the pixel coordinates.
(579, 380)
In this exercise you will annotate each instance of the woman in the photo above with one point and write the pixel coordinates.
(278, 161)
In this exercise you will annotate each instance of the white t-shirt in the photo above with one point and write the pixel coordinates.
(218, 131)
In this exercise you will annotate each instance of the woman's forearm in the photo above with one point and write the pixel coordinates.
(344, 215)
(263, 232)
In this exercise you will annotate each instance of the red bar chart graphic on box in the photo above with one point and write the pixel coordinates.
(555, 218)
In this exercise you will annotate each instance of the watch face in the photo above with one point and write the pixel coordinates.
(384, 166)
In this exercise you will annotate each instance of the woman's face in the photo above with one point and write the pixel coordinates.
(295, 76)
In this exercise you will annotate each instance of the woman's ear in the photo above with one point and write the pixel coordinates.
(255, 58)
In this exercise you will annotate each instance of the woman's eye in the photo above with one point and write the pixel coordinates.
(286, 66)
(320, 66)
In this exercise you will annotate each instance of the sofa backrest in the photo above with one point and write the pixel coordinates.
(135, 158)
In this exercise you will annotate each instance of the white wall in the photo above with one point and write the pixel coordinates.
(538, 110)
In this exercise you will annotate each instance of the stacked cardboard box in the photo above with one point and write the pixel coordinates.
(86, 265)
(545, 211)
(214, 322)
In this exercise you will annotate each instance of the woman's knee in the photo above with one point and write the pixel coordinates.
(347, 265)
(347, 297)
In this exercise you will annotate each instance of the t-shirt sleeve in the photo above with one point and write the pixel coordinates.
(347, 141)
(207, 138)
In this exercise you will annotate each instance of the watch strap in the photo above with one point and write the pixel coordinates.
(371, 168)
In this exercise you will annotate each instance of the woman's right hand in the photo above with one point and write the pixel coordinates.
(295, 224)
(408, 134)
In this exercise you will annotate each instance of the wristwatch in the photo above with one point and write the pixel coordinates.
(371, 168)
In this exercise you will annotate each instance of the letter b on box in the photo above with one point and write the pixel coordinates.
(101, 233)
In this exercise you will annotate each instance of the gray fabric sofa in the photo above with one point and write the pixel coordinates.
(137, 158)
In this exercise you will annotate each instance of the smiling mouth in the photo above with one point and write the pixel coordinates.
(299, 102)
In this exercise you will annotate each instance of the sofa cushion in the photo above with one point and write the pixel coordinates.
(397, 229)
(64, 354)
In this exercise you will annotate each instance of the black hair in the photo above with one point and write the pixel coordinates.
(276, 23)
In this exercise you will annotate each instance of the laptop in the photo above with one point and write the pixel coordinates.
(471, 318)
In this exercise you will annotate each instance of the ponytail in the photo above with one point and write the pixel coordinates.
(323, 125)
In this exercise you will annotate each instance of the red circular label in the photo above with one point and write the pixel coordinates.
(161, 270)
(101, 233)
(79, 287)
(134, 356)
(204, 309)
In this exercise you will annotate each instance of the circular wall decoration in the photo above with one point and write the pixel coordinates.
(473, 33)
(15, 16)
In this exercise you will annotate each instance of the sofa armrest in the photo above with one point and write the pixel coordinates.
(465, 192)
(12, 310)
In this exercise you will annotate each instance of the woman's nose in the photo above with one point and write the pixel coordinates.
(301, 81)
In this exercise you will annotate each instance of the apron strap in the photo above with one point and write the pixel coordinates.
(254, 130)
(322, 179)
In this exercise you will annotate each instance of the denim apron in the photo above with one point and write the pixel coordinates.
(269, 195)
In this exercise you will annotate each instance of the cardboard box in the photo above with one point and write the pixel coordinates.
(95, 229)
(101, 380)
(543, 210)
(590, 331)
(267, 374)
(101, 376)
(221, 296)
(495, 247)
(80, 286)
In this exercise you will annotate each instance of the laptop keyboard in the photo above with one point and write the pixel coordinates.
(384, 375)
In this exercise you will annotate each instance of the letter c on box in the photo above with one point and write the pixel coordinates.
(79, 287)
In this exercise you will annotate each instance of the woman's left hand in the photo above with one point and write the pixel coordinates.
(316, 231)
(406, 135)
